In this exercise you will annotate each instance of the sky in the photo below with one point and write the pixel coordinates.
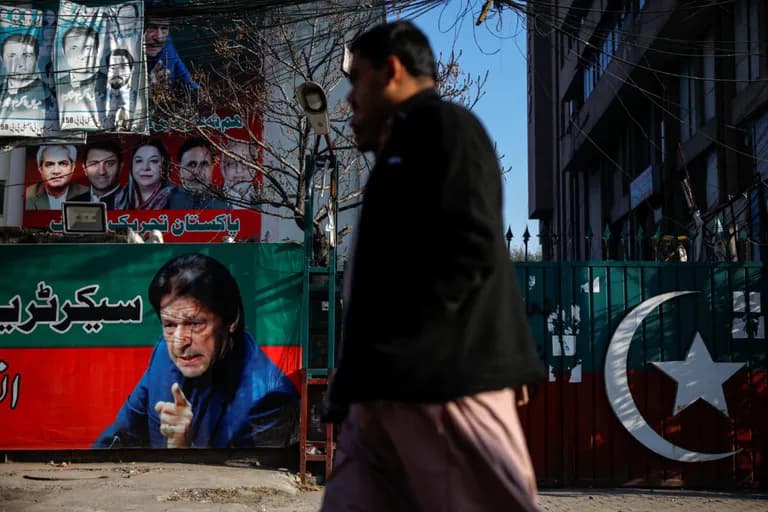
(498, 46)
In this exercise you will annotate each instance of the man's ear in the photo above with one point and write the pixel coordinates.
(395, 69)
(233, 325)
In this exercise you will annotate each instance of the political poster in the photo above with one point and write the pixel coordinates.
(126, 101)
(27, 100)
(92, 337)
(152, 172)
(99, 67)
(177, 184)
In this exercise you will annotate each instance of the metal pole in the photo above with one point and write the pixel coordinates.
(332, 264)
(309, 167)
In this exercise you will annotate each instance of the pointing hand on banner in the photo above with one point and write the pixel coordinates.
(159, 73)
(175, 418)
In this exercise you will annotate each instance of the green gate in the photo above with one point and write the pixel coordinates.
(696, 419)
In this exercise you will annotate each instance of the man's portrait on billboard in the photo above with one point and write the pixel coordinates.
(103, 161)
(163, 62)
(23, 95)
(80, 45)
(56, 164)
(208, 383)
(196, 161)
(120, 64)
(81, 83)
(128, 20)
(238, 175)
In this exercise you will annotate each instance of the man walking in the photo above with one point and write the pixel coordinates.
(436, 337)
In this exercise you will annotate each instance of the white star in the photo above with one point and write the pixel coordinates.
(698, 377)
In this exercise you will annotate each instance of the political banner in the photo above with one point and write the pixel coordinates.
(126, 103)
(181, 186)
(93, 336)
(190, 186)
(100, 67)
(27, 100)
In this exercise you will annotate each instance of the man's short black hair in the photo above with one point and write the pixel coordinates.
(132, 6)
(80, 31)
(105, 145)
(121, 52)
(23, 39)
(194, 142)
(207, 281)
(401, 39)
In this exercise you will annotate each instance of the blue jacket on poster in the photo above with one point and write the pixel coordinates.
(178, 74)
(243, 401)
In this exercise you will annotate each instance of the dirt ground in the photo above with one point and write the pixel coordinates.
(151, 487)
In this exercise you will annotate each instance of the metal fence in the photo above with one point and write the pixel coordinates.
(736, 231)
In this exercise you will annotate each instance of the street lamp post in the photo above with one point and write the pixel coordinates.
(314, 103)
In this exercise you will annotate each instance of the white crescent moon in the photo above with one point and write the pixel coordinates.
(620, 397)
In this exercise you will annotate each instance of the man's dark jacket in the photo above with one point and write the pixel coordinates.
(435, 311)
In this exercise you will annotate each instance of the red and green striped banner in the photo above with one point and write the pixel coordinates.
(77, 329)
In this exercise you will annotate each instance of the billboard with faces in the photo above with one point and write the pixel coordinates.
(184, 187)
(150, 175)
(69, 68)
(94, 355)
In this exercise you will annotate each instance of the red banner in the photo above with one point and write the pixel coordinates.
(56, 398)
(190, 189)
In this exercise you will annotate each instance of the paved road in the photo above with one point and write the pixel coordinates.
(150, 487)
(635, 500)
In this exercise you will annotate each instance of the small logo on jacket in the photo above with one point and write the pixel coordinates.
(394, 160)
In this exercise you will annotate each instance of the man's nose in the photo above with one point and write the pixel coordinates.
(182, 334)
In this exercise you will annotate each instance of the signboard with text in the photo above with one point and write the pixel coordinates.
(80, 338)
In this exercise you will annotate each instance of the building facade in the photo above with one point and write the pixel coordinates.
(648, 129)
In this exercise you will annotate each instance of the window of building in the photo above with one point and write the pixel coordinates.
(570, 106)
(708, 73)
(690, 98)
(589, 77)
(746, 42)
(2, 198)
(606, 52)
(713, 181)
(611, 30)
(760, 145)
(659, 136)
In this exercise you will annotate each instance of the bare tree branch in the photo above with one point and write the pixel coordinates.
(260, 61)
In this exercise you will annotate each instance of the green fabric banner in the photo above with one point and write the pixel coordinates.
(96, 295)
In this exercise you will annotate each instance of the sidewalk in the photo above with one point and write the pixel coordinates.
(151, 487)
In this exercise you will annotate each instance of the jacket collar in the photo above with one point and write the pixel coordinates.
(417, 99)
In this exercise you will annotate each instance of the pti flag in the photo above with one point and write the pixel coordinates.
(27, 103)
